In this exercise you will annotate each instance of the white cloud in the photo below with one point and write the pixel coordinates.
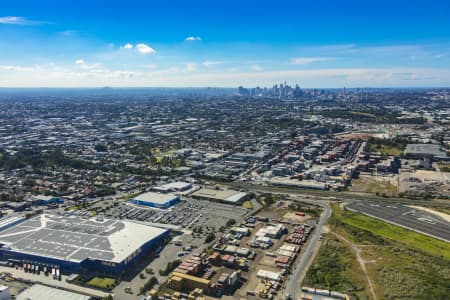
(309, 60)
(69, 33)
(97, 75)
(16, 68)
(256, 68)
(94, 68)
(127, 46)
(191, 67)
(209, 63)
(145, 49)
(149, 66)
(193, 38)
(14, 20)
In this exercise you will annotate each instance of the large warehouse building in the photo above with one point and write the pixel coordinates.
(74, 244)
(421, 151)
(157, 200)
(224, 196)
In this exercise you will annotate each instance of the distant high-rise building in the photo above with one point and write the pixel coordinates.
(282, 91)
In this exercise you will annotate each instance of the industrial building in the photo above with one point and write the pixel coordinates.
(45, 200)
(39, 291)
(75, 244)
(257, 156)
(157, 200)
(224, 196)
(173, 187)
(422, 151)
(185, 282)
(305, 184)
(272, 231)
(269, 275)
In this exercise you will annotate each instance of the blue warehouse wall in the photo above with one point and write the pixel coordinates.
(92, 266)
(153, 204)
(66, 266)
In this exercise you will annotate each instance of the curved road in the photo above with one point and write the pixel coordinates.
(299, 271)
(308, 254)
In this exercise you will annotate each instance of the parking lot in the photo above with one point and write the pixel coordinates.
(187, 214)
(176, 249)
(167, 254)
(405, 216)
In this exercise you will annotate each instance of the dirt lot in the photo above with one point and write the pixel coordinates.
(375, 184)
(293, 217)
(425, 181)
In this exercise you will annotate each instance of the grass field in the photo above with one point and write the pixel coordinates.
(400, 263)
(102, 283)
(73, 207)
(247, 204)
(444, 167)
(401, 273)
(398, 234)
(364, 114)
(386, 150)
(336, 268)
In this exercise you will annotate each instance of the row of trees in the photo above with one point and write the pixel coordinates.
(171, 265)
(148, 285)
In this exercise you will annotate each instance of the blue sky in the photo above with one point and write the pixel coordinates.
(224, 43)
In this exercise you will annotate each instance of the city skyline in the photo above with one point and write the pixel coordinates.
(227, 44)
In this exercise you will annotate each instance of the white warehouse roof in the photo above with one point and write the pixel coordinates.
(269, 275)
(153, 197)
(178, 185)
(38, 292)
(75, 239)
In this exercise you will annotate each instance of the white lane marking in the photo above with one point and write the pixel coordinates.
(427, 221)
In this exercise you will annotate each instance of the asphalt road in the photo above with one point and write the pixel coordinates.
(404, 216)
(308, 254)
(299, 271)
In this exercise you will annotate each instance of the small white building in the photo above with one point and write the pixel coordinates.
(269, 275)
(264, 240)
(271, 231)
(241, 230)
